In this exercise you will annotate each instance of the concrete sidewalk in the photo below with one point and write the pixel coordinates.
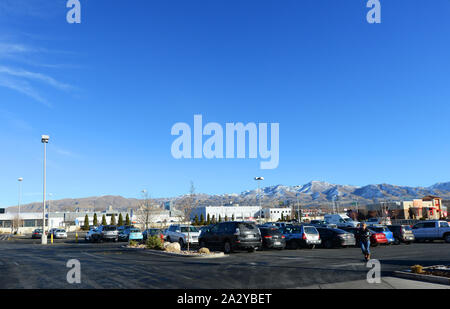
(386, 283)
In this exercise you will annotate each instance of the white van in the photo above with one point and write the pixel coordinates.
(341, 220)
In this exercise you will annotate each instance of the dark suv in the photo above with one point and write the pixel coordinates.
(402, 233)
(233, 235)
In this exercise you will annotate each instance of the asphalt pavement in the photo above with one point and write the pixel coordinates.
(24, 263)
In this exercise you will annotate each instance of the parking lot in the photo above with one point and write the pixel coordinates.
(24, 263)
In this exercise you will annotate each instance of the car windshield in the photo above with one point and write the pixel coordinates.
(246, 226)
(60, 231)
(135, 231)
(407, 228)
(109, 228)
(185, 229)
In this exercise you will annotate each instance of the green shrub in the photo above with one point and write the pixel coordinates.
(154, 242)
(133, 243)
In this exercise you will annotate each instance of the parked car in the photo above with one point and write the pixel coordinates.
(88, 235)
(383, 229)
(231, 236)
(131, 233)
(402, 233)
(37, 233)
(105, 232)
(341, 220)
(301, 236)
(375, 237)
(378, 221)
(272, 238)
(332, 238)
(59, 234)
(432, 230)
(153, 232)
(322, 223)
(182, 234)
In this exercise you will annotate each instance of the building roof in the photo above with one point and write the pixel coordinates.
(430, 198)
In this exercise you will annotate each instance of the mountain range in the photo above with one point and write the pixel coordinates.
(312, 194)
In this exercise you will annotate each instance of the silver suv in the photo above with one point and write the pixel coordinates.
(105, 232)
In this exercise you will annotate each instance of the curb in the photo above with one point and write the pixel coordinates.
(424, 278)
(163, 253)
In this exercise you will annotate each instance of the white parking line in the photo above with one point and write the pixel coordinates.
(348, 264)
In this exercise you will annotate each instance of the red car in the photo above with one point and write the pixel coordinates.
(377, 238)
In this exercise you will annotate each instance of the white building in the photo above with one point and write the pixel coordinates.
(275, 214)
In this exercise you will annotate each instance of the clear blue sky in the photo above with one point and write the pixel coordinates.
(357, 103)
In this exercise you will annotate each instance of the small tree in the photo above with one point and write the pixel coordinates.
(95, 222)
(232, 217)
(104, 220)
(213, 220)
(226, 218)
(113, 219)
(127, 220)
(220, 218)
(120, 220)
(208, 220)
(196, 222)
(202, 220)
(86, 223)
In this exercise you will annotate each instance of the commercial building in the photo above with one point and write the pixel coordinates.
(429, 207)
(275, 214)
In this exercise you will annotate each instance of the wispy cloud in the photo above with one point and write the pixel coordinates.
(35, 76)
(23, 87)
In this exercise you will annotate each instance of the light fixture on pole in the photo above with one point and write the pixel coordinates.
(258, 179)
(19, 200)
(44, 140)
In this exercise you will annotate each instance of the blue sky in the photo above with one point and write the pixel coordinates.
(357, 103)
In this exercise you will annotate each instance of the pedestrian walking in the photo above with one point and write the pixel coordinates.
(363, 236)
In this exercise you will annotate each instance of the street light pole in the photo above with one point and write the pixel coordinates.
(19, 200)
(44, 140)
(258, 179)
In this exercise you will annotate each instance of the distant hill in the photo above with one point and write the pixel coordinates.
(312, 194)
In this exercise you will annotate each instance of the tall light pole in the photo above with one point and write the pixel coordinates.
(19, 202)
(258, 179)
(50, 225)
(44, 140)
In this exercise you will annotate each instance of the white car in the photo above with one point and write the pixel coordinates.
(381, 220)
(59, 234)
(182, 234)
(341, 220)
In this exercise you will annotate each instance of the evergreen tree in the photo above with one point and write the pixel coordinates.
(196, 222)
(127, 220)
(104, 220)
(113, 219)
(282, 217)
(232, 217)
(202, 220)
(95, 220)
(220, 218)
(120, 220)
(86, 223)
(208, 220)
(213, 220)
(226, 218)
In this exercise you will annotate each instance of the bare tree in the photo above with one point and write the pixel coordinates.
(188, 205)
(147, 210)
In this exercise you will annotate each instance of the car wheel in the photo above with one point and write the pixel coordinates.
(181, 242)
(311, 246)
(396, 241)
(168, 239)
(251, 250)
(447, 238)
(408, 242)
(328, 244)
(202, 244)
(116, 239)
(227, 247)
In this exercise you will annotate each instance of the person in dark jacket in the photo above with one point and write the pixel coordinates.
(364, 239)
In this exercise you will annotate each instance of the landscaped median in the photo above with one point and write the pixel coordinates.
(155, 245)
(434, 274)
